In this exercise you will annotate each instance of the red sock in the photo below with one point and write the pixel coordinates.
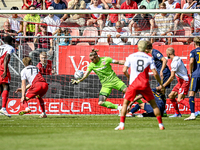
(41, 104)
(24, 104)
(175, 104)
(4, 98)
(122, 119)
(185, 103)
(159, 118)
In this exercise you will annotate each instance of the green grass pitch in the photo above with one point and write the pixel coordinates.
(82, 132)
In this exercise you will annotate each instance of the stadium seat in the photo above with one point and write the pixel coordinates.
(102, 43)
(89, 31)
(177, 43)
(83, 43)
(158, 43)
(74, 32)
(185, 32)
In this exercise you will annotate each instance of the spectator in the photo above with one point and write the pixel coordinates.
(48, 3)
(42, 44)
(113, 18)
(196, 22)
(63, 41)
(87, 3)
(171, 4)
(31, 23)
(60, 5)
(38, 4)
(96, 19)
(27, 4)
(164, 23)
(178, 1)
(115, 37)
(186, 19)
(142, 23)
(150, 4)
(76, 18)
(45, 66)
(128, 4)
(52, 21)
(7, 31)
(108, 3)
(15, 21)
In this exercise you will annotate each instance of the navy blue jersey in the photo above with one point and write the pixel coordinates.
(196, 67)
(159, 98)
(156, 57)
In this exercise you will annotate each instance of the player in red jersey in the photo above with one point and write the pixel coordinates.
(181, 89)
(5, 51)
(37, 86)
(140, 63)
(45, 66)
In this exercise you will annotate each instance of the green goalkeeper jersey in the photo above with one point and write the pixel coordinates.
(103, 69)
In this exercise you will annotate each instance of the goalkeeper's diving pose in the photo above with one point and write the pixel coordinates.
(109, 80)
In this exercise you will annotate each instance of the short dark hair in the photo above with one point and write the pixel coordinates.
(149, 45)
(143, 7)
(31, 6)
(14, 8)
(8, 39)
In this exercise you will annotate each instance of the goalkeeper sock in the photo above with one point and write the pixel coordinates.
(139, 101)
(135, 109)
(109, 105)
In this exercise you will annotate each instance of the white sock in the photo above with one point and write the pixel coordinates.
(121, 124)
(193, 114)
(161, 125)
(43, 113)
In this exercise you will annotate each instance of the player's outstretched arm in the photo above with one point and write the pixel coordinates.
(6, 60)
(80, 80)
(171, 78)
(120, 62)
(23, 90)
(191, 65)
(20, 89)
(164, 64)
(125, 71)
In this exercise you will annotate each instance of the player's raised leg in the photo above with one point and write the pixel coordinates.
(172, 96)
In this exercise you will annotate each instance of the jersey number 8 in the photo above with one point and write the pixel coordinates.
(140, 65)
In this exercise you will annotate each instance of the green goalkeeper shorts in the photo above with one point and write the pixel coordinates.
(115, 84)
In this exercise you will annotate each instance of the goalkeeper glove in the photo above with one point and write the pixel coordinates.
(75, 81)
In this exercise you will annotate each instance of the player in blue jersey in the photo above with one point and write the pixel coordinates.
(160, 63)
(160, 101)
(195, 76)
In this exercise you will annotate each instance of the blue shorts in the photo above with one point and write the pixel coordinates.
(149, 109)
(166, 77)
(195, 84)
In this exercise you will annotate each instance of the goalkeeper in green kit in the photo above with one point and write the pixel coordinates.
(109, 80)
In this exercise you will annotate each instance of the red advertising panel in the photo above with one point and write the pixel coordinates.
(80, 106)
(72, 58)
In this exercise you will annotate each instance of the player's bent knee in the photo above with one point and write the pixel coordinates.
(100, 103)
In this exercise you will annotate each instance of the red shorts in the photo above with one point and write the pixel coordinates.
(39, 88)
(132, 92)
(182, 87)
(6, 79)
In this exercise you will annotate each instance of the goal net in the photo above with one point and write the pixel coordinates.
(69, 51)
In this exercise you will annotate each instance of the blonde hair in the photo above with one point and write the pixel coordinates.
(26, 61)
(162, 4)
(142, 45)
(94, 52)
(43, 53)
(171, 50)
(197, 41)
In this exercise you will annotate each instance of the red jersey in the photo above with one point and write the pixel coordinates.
(5, 49)
(44, 42)
(113, 17)
(45, 70)
(48, 3)
(133, 5)
(32, 74)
